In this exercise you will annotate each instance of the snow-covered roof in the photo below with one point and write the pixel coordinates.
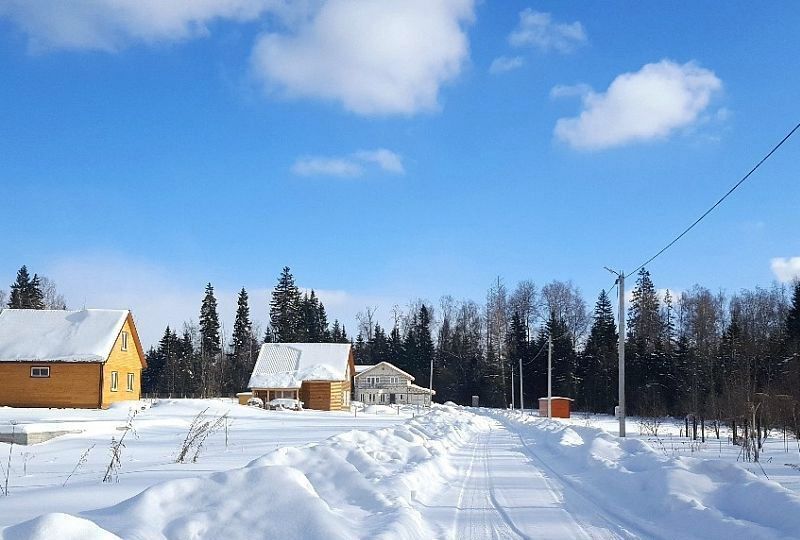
(363, 367)
(387, 364)
(287, 365)
(59, 336)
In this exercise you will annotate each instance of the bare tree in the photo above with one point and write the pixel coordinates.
(564, 299)
(526, 302)
(51, 297)
(366, 322)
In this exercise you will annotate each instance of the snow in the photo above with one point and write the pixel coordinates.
(451, 472)
(59, 336)
(653, 494)
(287, 365)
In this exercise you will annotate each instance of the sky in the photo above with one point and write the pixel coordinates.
(388, 150)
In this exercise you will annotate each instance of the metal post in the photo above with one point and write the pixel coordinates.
(550, 376)
(521, 399)
(622, 354)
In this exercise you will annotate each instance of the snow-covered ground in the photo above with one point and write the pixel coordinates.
(39, 471)
(780, 457)
(449, 473)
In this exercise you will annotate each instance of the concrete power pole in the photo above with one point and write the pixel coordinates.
(512, 386)
(622, 354)
(550, 376)
(430, 383)
(521, 400)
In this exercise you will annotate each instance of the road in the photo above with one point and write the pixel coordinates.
(503, 491)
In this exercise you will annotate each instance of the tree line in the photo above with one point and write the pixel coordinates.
(198, 362)
(723, 357)
(717, 357)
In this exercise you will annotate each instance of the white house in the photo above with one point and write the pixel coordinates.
(387, 384)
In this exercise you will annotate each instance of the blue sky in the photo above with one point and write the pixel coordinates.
(389, 150)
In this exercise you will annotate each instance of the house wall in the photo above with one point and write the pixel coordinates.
(123, 362)
(324, 395)
(71, 384)
(383, 396)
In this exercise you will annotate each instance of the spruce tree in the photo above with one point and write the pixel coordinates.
(20, 290)
(284, 312)
(242, 359)
(209, 340)
(35, 294)
(599, 359)
(643, 347)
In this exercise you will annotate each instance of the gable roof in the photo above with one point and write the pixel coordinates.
(30, 335)
(287, 365)
(388, 364)
(360, 368)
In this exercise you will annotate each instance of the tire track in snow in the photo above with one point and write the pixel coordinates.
(612, 519)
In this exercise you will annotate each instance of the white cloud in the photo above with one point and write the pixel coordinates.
(537, 29)
(375, 57)
(503, 64)
(385, 159)
(564, 90)
(786, 269)
(112, 24)
(650, 103)
(324, 166)
(350, 166)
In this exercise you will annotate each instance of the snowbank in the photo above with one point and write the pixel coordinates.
(656, 494)
(354, 485)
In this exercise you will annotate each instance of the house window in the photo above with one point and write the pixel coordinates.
(124, 341)
(114, 381)
(40, 372)
(130, 382)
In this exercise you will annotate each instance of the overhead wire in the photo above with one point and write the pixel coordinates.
(730, 191)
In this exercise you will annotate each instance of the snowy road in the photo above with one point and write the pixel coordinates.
(504, 492)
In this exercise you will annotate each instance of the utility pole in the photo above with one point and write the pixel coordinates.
(430, 384)
(521, 400)
(621, 348)
(512, 384)
(550, 375)
(621, 354)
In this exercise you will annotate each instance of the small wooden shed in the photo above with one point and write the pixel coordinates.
(560, 407)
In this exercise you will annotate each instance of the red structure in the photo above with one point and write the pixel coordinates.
(560, 408)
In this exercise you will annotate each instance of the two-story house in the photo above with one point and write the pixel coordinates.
(386, 384)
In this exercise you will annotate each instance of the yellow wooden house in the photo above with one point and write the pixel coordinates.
(52, 358)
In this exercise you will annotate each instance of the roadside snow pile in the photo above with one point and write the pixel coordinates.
(354, 485)
(699, 498)
(380, 409)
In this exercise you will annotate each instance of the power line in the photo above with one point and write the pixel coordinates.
(739, 183)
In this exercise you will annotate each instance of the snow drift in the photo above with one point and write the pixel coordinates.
(354, 485)
(660, 496)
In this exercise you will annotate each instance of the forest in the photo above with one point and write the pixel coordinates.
(714, 356)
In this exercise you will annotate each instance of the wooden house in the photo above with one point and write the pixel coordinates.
(318, 374)
(387, 384)
(52, 358)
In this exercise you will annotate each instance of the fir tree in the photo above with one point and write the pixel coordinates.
(20, 290)
(284, 312)
(599, 359)
(243, 346)
(35, 294)
(209, 340)
(643, 347)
